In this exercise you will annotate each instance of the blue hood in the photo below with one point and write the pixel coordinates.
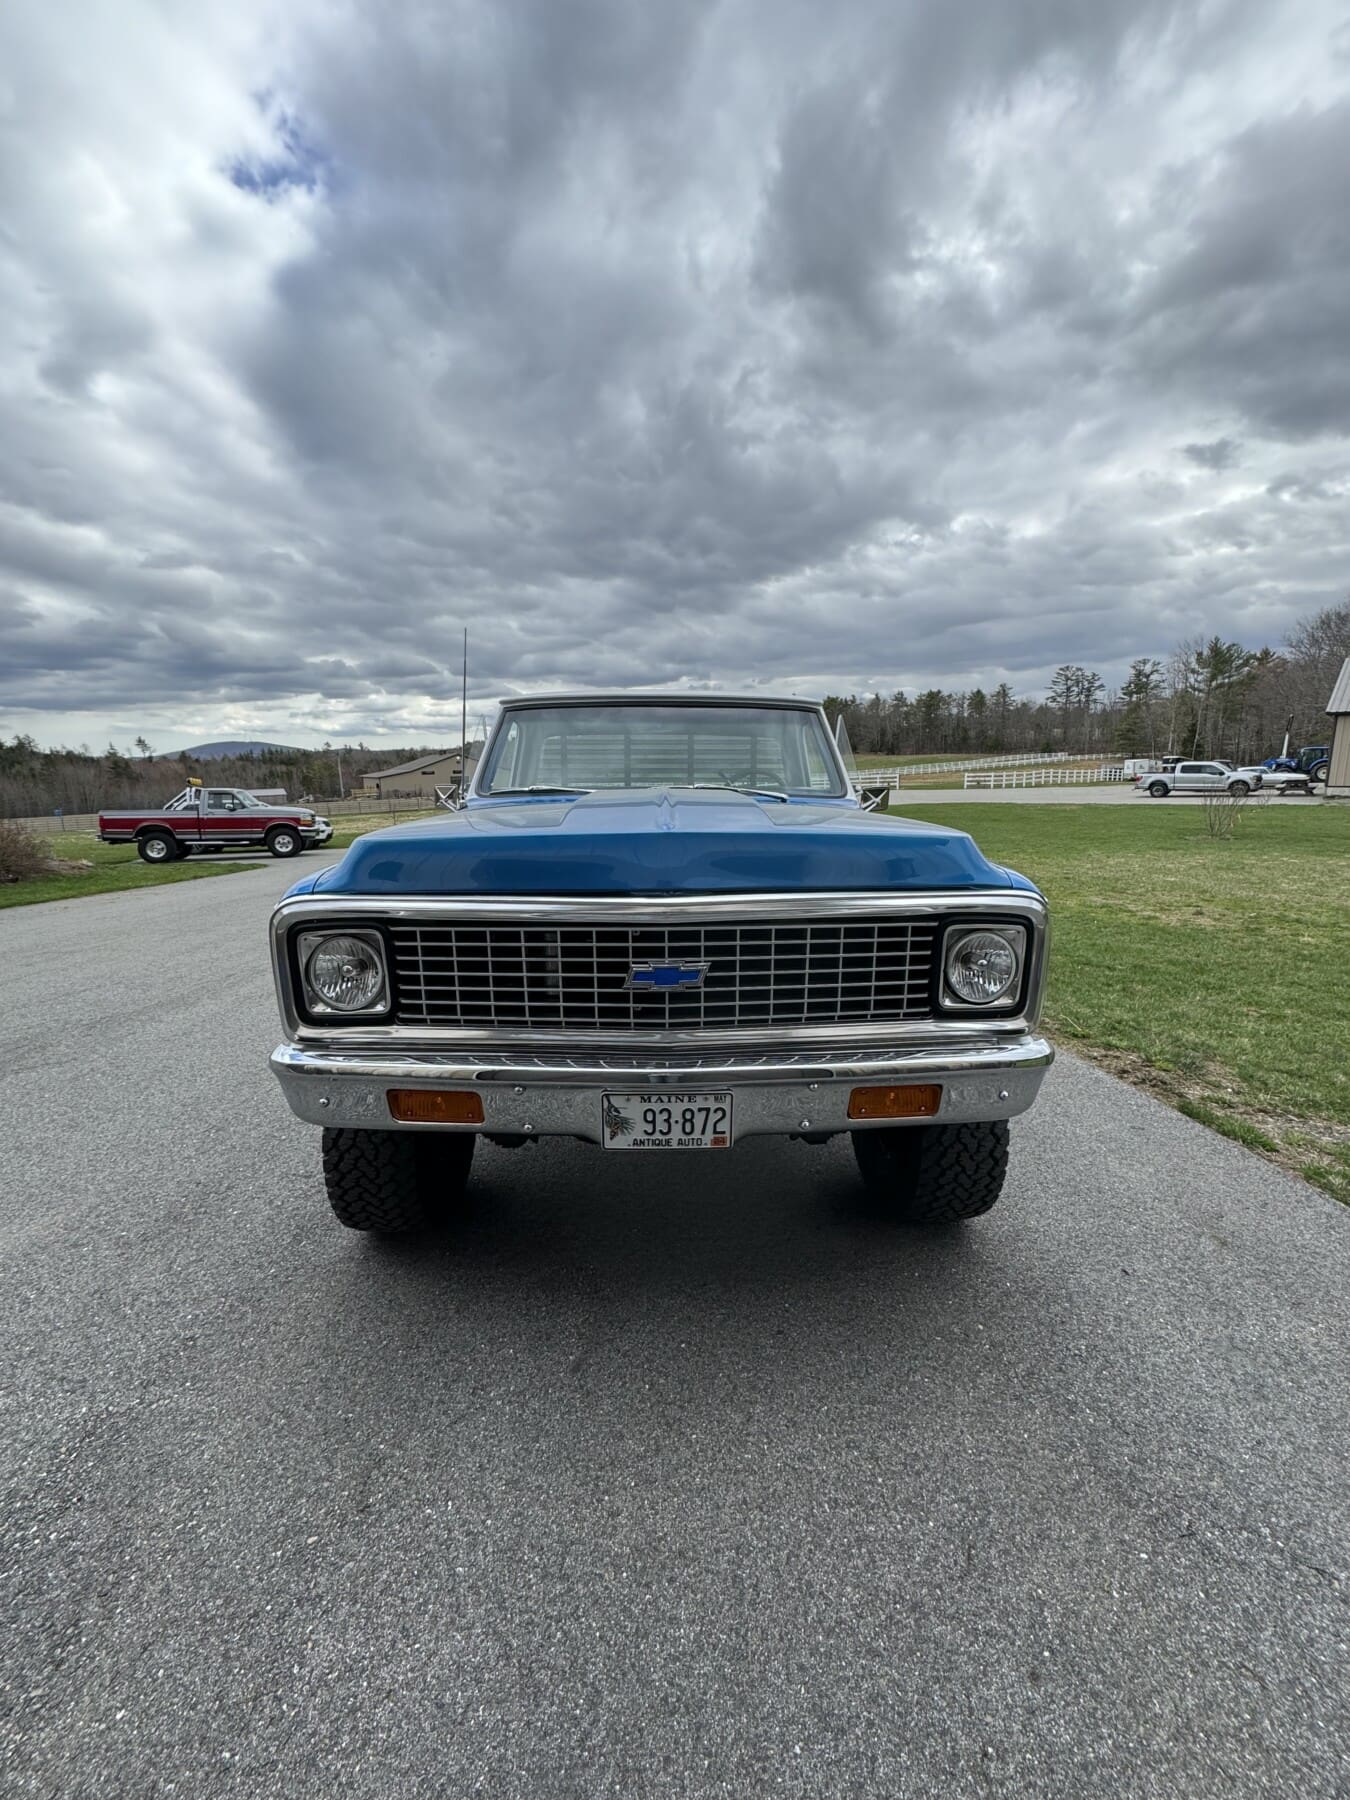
(657, 842)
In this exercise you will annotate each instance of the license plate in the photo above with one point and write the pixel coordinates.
(666, 1121)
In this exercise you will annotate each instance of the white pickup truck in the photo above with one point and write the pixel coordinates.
(1218, 777)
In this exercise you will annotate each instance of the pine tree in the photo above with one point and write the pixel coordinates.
(1136, 729)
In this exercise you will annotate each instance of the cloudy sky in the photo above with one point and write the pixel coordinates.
(882, 343)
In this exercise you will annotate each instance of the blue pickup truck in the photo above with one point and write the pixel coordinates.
(660, 923)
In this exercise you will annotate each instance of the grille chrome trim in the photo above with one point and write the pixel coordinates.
(576, 977)
(389, 911)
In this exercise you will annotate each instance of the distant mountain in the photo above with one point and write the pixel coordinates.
(235, 747)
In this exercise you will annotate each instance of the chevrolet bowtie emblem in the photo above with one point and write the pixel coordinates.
(666, 977)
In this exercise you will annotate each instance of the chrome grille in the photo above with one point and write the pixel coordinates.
(575, 977)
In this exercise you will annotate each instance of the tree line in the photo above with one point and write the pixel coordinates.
(1210, 697)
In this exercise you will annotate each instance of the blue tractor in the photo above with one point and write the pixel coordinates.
(1313, 761)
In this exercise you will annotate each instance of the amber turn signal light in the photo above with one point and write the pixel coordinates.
(894, 1102)
(431, 1106)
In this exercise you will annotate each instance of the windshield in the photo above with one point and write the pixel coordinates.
(577, 748)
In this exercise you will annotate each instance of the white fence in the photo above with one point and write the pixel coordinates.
(1020, 778)
(892, 777)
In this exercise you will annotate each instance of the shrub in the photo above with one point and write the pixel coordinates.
(1222, 812)
(21, 854)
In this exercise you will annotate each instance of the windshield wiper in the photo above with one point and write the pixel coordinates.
(545, 788)
(730, 787)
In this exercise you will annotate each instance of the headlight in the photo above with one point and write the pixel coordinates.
(343, 972)
(983, 967)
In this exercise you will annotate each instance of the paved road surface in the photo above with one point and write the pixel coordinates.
(681, 1479)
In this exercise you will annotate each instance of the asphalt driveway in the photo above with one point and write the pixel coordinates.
(665, 1477)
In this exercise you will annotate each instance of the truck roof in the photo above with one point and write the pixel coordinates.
(678, 698)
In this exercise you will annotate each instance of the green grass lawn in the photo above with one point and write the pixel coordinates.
(116, 866)
(929, 756)
(355, 825)
(1214, 972)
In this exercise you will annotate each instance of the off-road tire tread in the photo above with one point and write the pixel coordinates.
(394, 1182)
(934, 1174)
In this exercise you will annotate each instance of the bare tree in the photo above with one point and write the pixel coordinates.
(1323, 639)
(1318, 646)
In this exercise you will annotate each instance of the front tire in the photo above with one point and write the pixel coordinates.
(284, 840)
(394, 1182)
(1240, 789)
(934, 1174)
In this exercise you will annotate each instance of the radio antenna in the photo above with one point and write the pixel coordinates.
(464, 722)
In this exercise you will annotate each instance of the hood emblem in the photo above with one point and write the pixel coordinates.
(665, 977)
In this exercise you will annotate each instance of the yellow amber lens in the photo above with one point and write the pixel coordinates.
(894, 1102)
(429, 1106)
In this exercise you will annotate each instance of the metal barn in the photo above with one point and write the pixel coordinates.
(1338, 709)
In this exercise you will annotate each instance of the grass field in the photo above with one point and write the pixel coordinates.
(346, 831)
(1212, 972)
(116, 866)
(929, 756)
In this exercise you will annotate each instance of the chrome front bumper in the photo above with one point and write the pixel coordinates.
(804, 1091)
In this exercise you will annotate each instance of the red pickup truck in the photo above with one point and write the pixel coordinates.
(204, 820)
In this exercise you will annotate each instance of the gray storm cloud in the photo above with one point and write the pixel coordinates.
(871, 346)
